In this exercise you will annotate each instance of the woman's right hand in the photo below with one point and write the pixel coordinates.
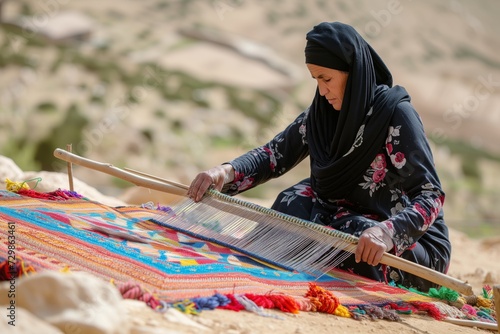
(217, 177)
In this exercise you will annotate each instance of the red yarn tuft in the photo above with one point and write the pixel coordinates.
(430, 309)
(10, 270)
(280, 301)
(323, 299)
(34, 194)
(234, 305)
(263, 301)
(285, 303)
(401, 308)
(57, 195)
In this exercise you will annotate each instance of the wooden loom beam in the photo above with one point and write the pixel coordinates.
(156, 183)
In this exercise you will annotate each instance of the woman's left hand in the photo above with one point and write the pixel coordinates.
(372, 244)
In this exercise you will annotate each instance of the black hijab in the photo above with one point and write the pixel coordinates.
(342, 144)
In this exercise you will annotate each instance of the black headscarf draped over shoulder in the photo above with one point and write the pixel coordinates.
(342, 144)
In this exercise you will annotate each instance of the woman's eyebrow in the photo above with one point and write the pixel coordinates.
(321, 76)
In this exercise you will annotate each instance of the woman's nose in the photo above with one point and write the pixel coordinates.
(322, 89)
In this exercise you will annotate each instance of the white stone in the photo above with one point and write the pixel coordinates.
(26, 323)
(72, 302)
(9, 169)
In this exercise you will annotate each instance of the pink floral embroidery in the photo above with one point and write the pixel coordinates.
(389, 225)
(306, 192)
(428, 218)
(379, 162)
(378, 175)
(371, 216)
(417, 207)
(441, 199)
(341, 214)
(272, 158)
(298, 190)
(375, 175)
(238, 176)
(245, 184)
(388, 147)
(398, 160)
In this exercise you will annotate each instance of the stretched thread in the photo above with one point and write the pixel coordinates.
(276, 238)
(273, 213)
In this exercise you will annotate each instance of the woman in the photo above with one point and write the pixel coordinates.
(372, 171)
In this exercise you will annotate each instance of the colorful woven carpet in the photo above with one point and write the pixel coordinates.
(125, 244)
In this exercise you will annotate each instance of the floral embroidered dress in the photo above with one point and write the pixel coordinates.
(399, 190)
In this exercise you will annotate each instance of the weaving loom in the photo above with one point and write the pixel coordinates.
(219, 217)
(134, 244)
(127, 244)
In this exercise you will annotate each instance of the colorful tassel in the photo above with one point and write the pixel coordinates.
(375, 312)
(23, 189)
(429, 308)
(233, 305)
(186, 306)
(10, 270)
(132, 290)
(279, 301)
(15, 186)
(444, 293)
(211, 303)
(325, 301)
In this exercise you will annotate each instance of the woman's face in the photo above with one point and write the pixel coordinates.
(331, 83)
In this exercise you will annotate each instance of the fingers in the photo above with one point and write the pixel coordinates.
(215, 177)
(199, 186)
(369, 250)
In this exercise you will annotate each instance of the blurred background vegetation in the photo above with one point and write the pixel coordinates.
(175, 87)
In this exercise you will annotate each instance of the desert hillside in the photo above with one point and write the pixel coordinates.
(174, 87)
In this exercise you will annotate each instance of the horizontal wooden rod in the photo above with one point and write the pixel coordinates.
(156, 183)
(472, 323)
(120, 173)
(176, 184)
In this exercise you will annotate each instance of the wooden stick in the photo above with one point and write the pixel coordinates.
(70, 169)
(115, 171)
(471, 323)
(496, 296)
(153, 182)
(427, 273)
(180, 185)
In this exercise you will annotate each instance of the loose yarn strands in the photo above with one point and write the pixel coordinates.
(23, 189)
(133, 290)
(279, 301)
(326, 302)
(281, 240)
(12, 270)
(254, 308)
(16, 186)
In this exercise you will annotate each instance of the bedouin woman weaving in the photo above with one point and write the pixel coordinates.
(372, 171)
